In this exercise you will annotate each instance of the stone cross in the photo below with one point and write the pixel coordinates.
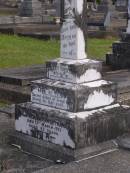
(72, 32)
(128, 27)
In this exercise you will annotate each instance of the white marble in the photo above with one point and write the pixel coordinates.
(72, 41)
(97, 83)
(98, 99)
(57, 94)
(66, 76)
(86, 114)
(63, 73)
(77, 5)
(72, 37)
(51, 132)
(50, 98)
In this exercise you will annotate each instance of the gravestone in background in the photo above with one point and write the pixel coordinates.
(120, 56)
(30, 8)
(25, 9)
(73, 107)
(128, 27)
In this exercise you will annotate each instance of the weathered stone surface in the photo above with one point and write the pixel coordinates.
(73, 97)
(79, 130)
(72, 34)
(124, 141)
(45, 123)
(120, 47)
(74, 71)
(120, 56)
(125, 37)
(72, 41)
(22, 76)
(26, 8)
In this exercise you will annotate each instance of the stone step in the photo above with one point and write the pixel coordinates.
(73, 97)
(74, 71)
(44, 127)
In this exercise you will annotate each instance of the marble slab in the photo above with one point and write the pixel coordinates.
(73, 5)
(72, 41)
(43, 123)
(74, 71)
(73, 97)
(71, 130)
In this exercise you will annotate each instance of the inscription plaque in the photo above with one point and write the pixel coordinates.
(50, 131)
(72, 37)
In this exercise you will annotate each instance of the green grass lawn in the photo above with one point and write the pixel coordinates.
(22, 51)
(7, 13)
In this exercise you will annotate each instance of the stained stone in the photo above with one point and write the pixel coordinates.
(74, 71)
(73, 107)
(72, 41)
(125, 37)
(120, 56)
(72, 36)
(71, 130)
(120, 47)
(73, 97)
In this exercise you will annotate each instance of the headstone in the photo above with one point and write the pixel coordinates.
(41, 8)
(29, 8)
(25, 9)
(120, 56)
(73, 107)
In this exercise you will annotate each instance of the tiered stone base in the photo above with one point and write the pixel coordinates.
(57, 134)
(73, 97)
(74, 71)
(72, 108)
(120, 56)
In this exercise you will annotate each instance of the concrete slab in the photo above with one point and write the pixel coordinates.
(111, 161)
(22, 76)
(15, 160)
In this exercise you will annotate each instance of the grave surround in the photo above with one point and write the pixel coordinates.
(70, 100)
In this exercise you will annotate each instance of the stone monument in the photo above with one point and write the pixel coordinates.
(29, 8)
(73, 107)
(25, 8)
(120, 56)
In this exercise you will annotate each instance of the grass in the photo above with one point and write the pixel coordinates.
(7, 13)
(22, 51)
(97, 48)
(4, 103)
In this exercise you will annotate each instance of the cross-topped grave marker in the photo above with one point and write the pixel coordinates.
(68, 108)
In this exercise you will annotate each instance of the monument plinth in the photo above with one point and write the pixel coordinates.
(73, 107)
